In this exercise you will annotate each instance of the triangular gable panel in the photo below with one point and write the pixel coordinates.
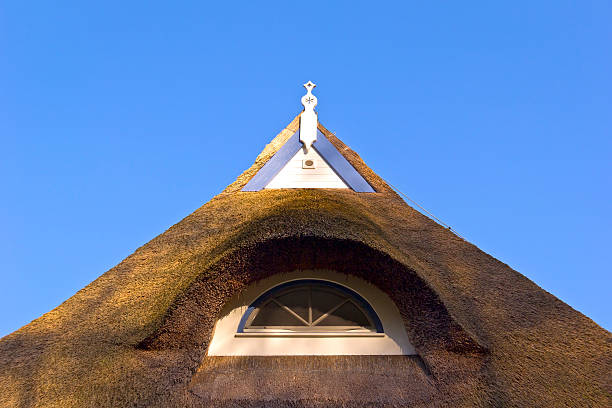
(307, 170)
(327, 151)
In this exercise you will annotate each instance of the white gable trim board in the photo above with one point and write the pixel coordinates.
(331, 169)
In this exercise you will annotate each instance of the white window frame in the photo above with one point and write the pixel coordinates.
(227, 341)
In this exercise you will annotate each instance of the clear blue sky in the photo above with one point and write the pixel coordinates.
(118, 119)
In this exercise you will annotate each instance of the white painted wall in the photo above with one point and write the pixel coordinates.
(293, 175)
(227, 342)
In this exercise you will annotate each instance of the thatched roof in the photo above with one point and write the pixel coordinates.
(137, 335)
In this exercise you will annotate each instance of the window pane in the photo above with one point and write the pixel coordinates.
(323, 301)
(279, 309)
(272, 314)
(346, 315)
(296, 300)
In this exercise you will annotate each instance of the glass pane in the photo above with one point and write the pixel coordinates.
(272, 314)
(296, 300)
(323, 301)
(346, 315)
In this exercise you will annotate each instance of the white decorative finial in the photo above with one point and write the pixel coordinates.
(308, 120)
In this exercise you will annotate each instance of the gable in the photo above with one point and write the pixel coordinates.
(306, 170)
(336, 172)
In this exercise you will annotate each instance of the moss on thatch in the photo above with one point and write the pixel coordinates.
(137, 336)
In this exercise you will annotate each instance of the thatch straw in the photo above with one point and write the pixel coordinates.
(137, 336)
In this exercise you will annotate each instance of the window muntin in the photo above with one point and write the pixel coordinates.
(314, 306)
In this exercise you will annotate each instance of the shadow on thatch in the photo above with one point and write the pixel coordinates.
(190, 319)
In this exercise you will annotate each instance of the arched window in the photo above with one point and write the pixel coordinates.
(310, 306)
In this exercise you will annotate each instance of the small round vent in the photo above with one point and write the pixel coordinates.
(308, 164)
